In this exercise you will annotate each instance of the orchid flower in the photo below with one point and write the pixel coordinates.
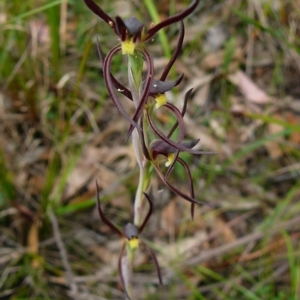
(131, 234)
(131, 31)
(148, 95)
(170, 149)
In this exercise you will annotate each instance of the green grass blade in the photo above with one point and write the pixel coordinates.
(161, 34)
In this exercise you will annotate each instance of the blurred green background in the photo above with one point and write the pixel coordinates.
(59, 132)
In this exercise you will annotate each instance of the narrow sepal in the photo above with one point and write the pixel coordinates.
(177, 191)
(110, 87)
(100, 13)
(159, 86)
(141, 228)
(155, 262)
(121, 28)
(186, 98)
(102, 216)
(121, 271)
(175, 53)
(179, 146)
(121, 88)
(190, 183)
(171, 20)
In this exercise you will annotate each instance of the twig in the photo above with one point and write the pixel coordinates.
(209, 254)
(63, 254)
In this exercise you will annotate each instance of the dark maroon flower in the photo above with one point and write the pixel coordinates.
(131, 30)
(131, 234)
(170, 149)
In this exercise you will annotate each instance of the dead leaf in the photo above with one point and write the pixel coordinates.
(227, 232)
(295, 135)
(248, 88)
(273, 146)
(33, 243)
(215, 59)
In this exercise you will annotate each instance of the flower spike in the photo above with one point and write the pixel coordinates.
(131, 234)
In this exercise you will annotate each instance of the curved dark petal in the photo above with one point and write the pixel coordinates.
(186, 98)
(102, 216)
(177, 113)
(133, 25)
(155, 262)
(192, 210)
(175, 53)
(145, 94)
(190, 183)
(160, 87)
(174, 144)
(178, 146)
(130, 231)
(121, 28)
(121, 88)
(179, 118)
(101, 14)
(175, 190)
(176, 18)
(111, 90)
(141, 228)
(160, 147)
(191, 143)
(100, 52)
(121, 271)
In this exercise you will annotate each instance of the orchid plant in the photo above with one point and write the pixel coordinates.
(148, 95)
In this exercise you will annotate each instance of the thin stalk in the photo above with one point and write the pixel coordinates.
(135, 68)
(138, 202)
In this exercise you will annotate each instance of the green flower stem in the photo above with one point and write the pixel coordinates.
(138, 203)
(135, 69)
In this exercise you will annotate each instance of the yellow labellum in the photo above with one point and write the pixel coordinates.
(160, 100)
(171, 157)
(133, 243)
(128, 47)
